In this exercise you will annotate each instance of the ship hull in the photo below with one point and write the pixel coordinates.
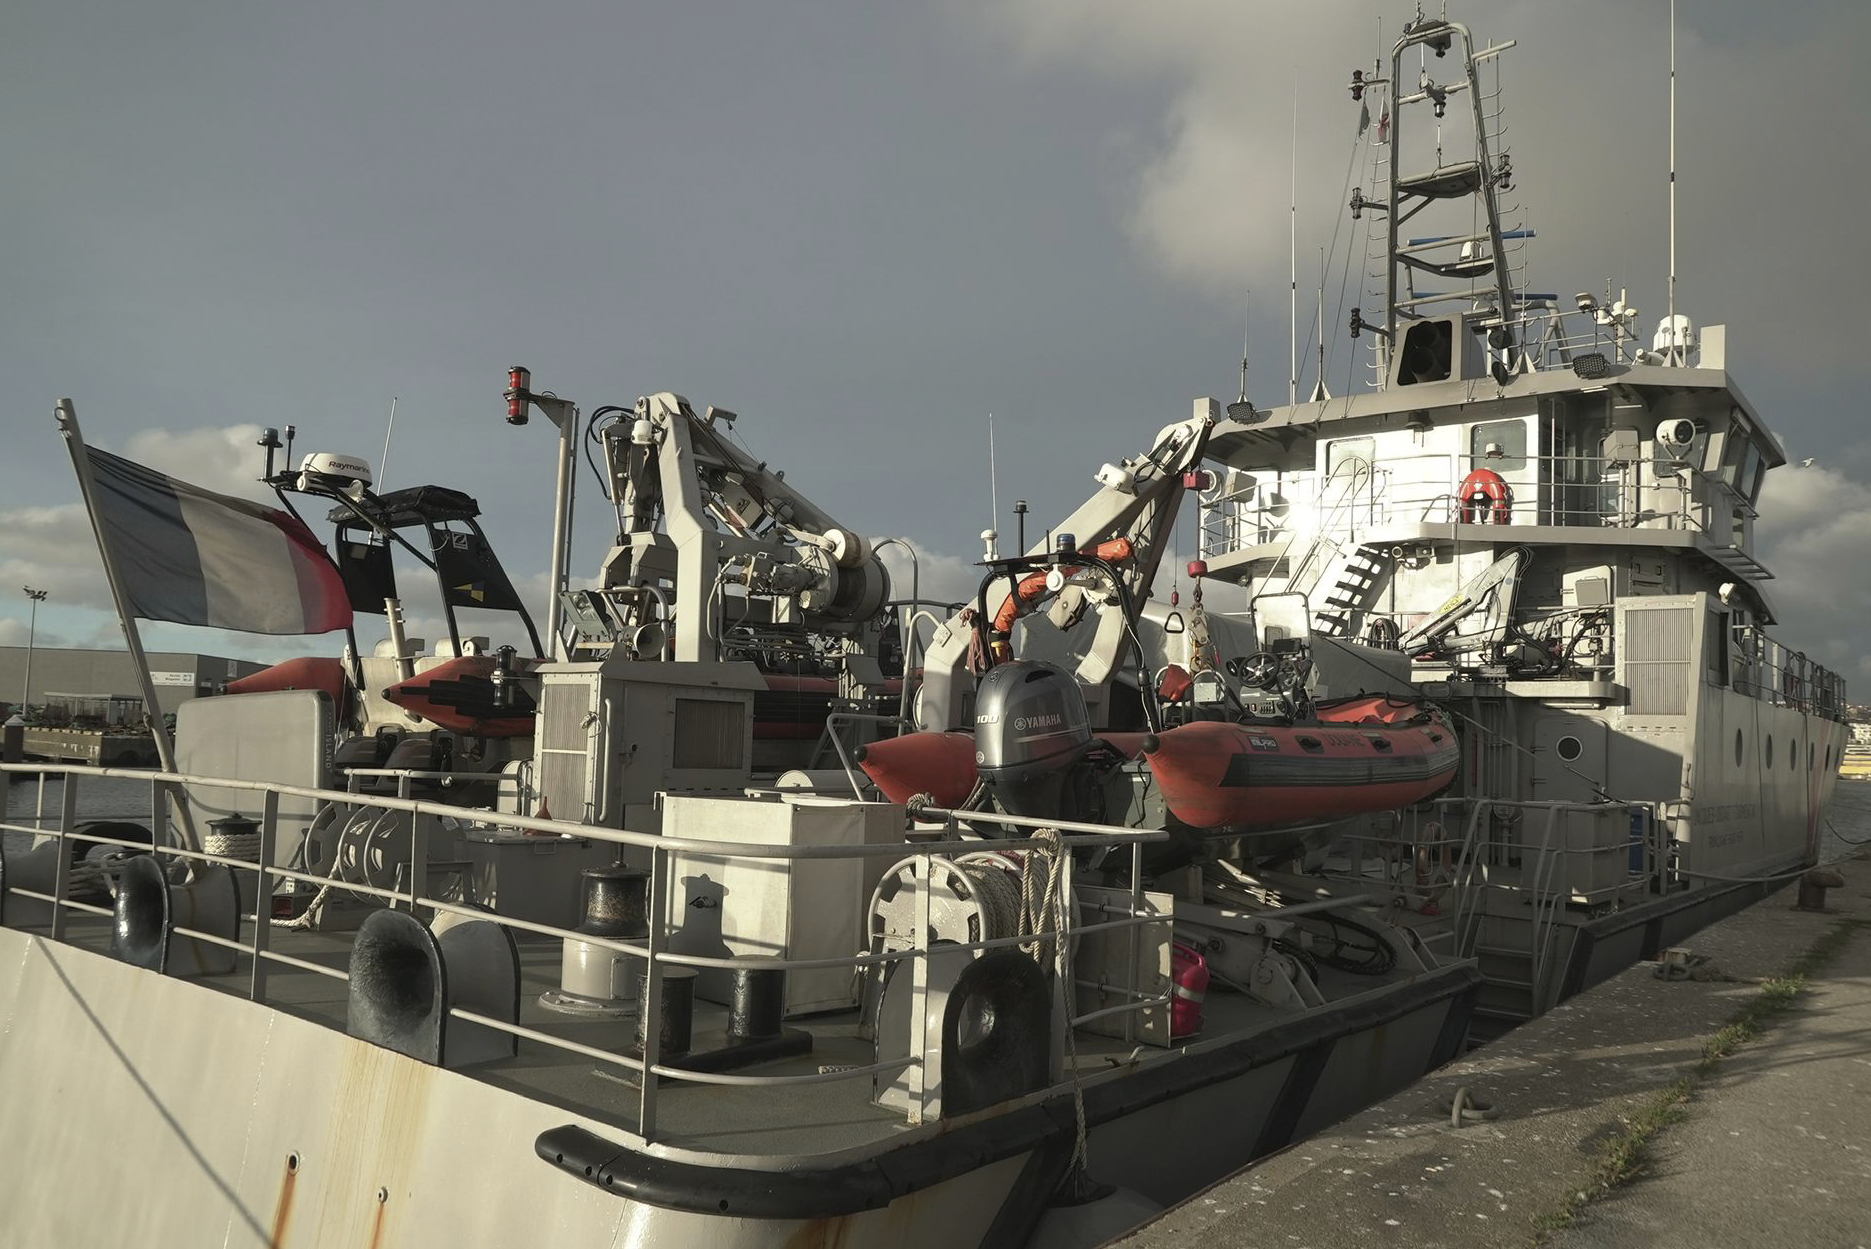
(214, 1120)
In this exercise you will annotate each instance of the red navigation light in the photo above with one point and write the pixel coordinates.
(519, 394)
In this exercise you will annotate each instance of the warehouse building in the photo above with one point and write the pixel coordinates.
(95, 679)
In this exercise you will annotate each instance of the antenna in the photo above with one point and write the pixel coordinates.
(1319, 392)
(1673, 335)
(990, 536)
(1292, 257)
(993, 475)
(1241, 409)
(383, 465)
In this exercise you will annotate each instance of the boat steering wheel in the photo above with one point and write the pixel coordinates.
(1262, 670)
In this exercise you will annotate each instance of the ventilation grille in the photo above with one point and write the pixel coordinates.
(710, 734)
(564, 750)
(1657, 661)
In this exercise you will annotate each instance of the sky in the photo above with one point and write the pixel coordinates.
(864, 227)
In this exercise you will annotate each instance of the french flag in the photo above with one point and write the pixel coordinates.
(192, 556)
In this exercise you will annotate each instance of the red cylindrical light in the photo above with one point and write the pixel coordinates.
(519, 388)
(1198, 568)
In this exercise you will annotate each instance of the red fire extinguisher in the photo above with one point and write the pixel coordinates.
(1188, 988)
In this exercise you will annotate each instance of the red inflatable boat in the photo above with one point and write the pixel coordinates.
(459, 694)
(1367, 755)
(308, 672)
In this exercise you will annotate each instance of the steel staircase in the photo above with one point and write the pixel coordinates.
(1348, 596)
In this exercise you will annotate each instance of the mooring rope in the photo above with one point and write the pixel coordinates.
(1043, 914)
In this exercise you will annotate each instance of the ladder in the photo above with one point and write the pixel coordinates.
(1348, 596)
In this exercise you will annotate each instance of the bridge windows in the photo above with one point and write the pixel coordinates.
(1341, 453)
(1498, 445)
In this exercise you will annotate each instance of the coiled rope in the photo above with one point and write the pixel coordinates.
(244, 846)
(995, 891)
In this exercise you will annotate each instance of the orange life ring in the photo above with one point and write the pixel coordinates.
(1483, 493)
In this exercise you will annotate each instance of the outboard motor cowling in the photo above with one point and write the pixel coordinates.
(1030, 727)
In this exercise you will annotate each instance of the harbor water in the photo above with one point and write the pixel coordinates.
(30, 805)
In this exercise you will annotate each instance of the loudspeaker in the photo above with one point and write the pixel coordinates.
(149, 908)
(405, 978)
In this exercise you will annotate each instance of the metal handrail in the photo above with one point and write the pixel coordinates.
(1470, 859)
(1543, 868)
(837, 720)
(1089, 834)
(1692, 510)
(1314, 559)
(662, 849)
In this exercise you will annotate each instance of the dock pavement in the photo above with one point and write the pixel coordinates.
(1730, 1107)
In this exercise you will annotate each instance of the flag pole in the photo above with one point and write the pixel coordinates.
(165, 751)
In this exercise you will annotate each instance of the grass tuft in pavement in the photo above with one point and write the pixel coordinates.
(1622, 1158)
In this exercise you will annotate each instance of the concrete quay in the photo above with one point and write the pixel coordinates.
(1768, 1144)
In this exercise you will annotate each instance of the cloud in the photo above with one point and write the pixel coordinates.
(51, 548)
(1811, 534)
(940, 577)
(15, 633)
(1242, 87)
(226, 459)
(1208, 190)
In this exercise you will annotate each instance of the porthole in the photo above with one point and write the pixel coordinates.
(1768, 752)
(1570, 748)
(1737, 748)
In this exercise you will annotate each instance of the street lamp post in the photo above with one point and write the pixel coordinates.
(32, 628)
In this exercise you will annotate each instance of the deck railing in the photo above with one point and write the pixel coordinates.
(1425, 489)
(1547, 855)
(413, 893)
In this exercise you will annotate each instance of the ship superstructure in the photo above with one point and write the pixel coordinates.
(1549, 510)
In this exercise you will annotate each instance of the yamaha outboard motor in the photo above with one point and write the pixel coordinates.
(1030, 728)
